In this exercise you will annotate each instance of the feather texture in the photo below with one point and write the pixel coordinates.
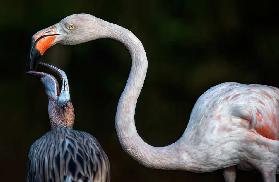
(63, 154)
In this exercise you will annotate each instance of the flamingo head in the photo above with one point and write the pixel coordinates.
(73, 29)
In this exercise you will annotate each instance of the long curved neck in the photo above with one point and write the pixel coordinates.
(156, 157)
(179, 155)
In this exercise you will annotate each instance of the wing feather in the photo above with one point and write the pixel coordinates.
(67, 155)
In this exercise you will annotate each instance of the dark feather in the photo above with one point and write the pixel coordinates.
(68, 155)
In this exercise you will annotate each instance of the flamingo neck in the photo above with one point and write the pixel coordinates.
(156, 157)
(179, 155)
(61, 116)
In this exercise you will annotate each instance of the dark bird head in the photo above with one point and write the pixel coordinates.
(60, 109)
(73, 29)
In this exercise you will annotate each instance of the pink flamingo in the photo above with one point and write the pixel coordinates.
(231, 125)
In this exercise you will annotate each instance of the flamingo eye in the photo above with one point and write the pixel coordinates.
(70, 26)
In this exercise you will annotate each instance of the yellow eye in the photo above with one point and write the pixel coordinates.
(70, 26)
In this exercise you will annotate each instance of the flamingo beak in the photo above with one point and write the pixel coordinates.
(34, 56)
(41, 42)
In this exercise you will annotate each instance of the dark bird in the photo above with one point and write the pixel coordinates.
(64, 154)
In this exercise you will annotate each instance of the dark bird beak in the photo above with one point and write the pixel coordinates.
(52, 86)
(36, 74)
(64, 95)
(41, 42)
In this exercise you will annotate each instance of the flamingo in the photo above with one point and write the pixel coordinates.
(232, 125)
(64, 154)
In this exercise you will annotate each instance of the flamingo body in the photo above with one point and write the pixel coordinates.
(232, 106)
(251, 111)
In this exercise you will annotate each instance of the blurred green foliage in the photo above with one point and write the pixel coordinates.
(191, 45)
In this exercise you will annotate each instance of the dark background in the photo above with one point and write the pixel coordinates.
(191, 45)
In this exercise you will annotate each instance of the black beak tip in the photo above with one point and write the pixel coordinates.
(35, 55)
(35, 74)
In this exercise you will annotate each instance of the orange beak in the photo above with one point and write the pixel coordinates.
(41, 42)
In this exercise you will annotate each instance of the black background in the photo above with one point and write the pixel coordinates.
(191, 45)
